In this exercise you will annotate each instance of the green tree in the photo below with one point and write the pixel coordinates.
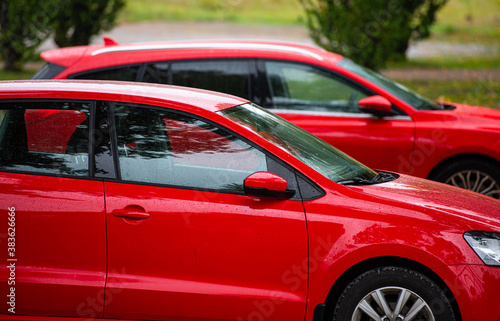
(370, 32)
(24, 25)
(78, 20)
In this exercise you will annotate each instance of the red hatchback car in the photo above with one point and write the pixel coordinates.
(152, 202)
(364, 114)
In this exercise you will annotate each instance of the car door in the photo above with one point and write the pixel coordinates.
(52, 237)
(326, 105)
(184, 242)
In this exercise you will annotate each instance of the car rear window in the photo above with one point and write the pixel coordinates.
(48, 71)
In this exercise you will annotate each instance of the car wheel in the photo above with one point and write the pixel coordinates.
(392, 294)
(478, 176)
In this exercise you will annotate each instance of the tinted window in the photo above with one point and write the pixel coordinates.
(127, 73)
(45, 137)
(156, 73)
(227, 76)
(302, 87)
(48, 71)
(166, 148)
(398, 90)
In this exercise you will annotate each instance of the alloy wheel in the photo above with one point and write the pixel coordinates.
(476, 181)
(392, 304)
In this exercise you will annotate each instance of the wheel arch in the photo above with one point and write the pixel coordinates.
(377, 262)
(458, 159)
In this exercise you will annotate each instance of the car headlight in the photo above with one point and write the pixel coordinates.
(486, 245)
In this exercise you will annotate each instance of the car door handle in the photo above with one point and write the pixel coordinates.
(130, 214)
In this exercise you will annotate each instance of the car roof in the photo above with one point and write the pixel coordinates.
(112, 53)
(187, 99)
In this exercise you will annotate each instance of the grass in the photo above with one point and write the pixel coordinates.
(451, 62)
(469, 20)
(24, 74)
(484, 93)
(241, 11)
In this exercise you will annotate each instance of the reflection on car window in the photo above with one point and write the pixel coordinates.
(302, 87)
(162, 147)
(398, 90)
(306, 147)
(156, 73)
(227, 76)
(45, 137)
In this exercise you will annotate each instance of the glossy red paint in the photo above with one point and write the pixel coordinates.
(377, 103)
(104, 248)
(217, 260)
(185, 99)
(464, 280)
(60, 248)
(417, 222)
(266, 180)
(415, 143)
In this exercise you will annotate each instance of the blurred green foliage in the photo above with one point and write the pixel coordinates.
(24, 25)
(370, 32)
(77, 21)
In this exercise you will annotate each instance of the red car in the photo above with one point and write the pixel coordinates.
(364, 114)
(155, 202)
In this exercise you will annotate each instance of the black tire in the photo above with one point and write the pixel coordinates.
(475, 175)
(392, 283)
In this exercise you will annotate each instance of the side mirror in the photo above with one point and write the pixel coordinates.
(267, 184)
(376, 105)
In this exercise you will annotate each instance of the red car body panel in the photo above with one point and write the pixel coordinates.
(134, 251)
(240, 233)
(417, 212)
(60, 245)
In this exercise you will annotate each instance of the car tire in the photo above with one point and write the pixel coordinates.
(475, 175)
(369, 292)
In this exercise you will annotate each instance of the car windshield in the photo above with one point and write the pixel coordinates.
(309, 149)
(398, 90)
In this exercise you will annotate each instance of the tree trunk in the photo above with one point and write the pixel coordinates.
(11, 58)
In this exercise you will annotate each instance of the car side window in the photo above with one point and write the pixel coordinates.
(45, 137)
(156, 73)
(227, 76)
(125, 73)
(162, 147)
(302, 87)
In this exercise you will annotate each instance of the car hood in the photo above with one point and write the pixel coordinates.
(488, 115)
(478, 210)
